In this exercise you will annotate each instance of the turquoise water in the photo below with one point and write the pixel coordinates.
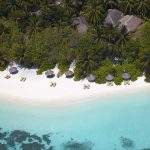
(105, 123)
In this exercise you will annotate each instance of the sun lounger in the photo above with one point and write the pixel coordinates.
(54, 84)
(51, 84)
(7, 76)
(88, 86)
(84, 86)
(24, 79)
(21, 78)
(125, 82)
(111, 83)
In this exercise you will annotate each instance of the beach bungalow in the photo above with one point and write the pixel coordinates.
(69, 74)
(91, 78)
(131, 22)
(49, 74)
(126, 78)
(13, 70)
(80, 24)
(113, 16)
(109, 79)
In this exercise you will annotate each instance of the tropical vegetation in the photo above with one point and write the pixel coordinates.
(40, 34)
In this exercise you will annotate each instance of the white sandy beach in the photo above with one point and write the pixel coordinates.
(37, 87)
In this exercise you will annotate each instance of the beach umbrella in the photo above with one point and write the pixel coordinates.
(126, 76)
(69, 74)
(109, 77)
(49, 74)
(91, 78)
(13, 70)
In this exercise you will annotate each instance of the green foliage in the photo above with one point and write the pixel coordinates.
(39, 34)
(145, 50)
(117, 70)
(105, 68)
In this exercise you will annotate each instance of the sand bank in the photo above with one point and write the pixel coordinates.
(37, 87)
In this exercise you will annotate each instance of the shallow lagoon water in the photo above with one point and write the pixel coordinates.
(103, 122)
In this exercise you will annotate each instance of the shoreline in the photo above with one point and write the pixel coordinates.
(37, 88)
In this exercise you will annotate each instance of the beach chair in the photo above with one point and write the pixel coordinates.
(51, 84)
(24, 79)
(84, 86)
(111, 83)
(125, 82)
(7, 76)
(21, 78)
(54, 84)
(88, 86)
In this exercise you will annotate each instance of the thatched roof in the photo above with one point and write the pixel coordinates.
(126, 76)
(131, 22)
(69, 74)
(109, 77)
(13, 70)
(91, 78)
(80, 24)
(49, 74)
(113, 17)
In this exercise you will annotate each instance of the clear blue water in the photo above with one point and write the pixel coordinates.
(102, 121)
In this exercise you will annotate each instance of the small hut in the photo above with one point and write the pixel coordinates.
(13, 70)
(126, 78)
(113, 16)
(81, 24)
(49, 74)
(69, 74)
(109, 79)
(91, 78)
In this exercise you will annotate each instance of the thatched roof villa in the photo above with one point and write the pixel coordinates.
(131, 22)
(113, 17)
(116, 18)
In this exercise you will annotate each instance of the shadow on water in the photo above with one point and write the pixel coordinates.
(22, 140)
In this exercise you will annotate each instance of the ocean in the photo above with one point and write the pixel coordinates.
(113, 122)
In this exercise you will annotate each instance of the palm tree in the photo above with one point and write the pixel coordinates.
(128, 6)
(3, 31)
(145, 60)
(69, 8)
(123, 36)
(24, 4)
(33, 28)
(87, 63)
(94, 12)
(111, 4)
(12, 6)
(142, 7)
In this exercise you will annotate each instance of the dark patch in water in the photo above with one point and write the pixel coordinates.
(19, 136)
(127, 143)
(3, 146)
(21, 140)
(3, 135)
(46, 138)
(74, 145)
(32, 146)
(35, 137)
